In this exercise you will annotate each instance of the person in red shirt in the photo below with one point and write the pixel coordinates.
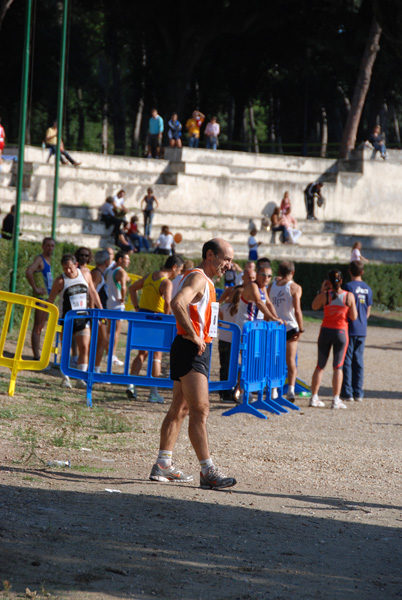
(338, 306)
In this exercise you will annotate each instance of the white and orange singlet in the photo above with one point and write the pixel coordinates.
(204, 313)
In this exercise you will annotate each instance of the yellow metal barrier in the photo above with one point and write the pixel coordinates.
(17, 364)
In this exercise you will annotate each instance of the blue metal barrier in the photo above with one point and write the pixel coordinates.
(277, 369)
(146, 331)
(263, 367)
(253, 370)
(218, 292)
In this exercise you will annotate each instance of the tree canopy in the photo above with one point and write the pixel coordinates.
(290, 67)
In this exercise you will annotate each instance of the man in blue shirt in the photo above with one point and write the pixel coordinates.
(353, 368)
(155, 131)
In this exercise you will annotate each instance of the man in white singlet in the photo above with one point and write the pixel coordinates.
(285, 295)
(196, 312)
(73, 287)
(117, 281)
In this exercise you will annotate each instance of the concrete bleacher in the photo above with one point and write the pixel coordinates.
(204, 194)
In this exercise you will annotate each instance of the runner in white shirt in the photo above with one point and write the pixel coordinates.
(76, 293)
(285, 295)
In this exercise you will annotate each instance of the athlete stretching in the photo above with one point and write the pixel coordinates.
(196, 313)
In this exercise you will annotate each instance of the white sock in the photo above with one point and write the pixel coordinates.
(82, 367)
(206, 465)
(97, 369)
(336, 399)
(315, 398)
(130, 386)
(291, 389)
(165, 458)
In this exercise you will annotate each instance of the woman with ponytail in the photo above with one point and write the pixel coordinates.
(338, 306)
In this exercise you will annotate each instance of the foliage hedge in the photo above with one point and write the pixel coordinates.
(385, 280)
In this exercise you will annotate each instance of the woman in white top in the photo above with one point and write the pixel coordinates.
(356, 252)
(165, 242)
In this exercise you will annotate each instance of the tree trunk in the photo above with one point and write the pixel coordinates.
(105, 127)
(254, 138)
(324, 133)
(81, 121)
(395, 125)
(361, 89)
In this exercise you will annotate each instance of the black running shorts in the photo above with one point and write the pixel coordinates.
(338, 340)
(184, 357)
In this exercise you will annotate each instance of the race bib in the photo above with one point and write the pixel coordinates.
(78, 301)
(213, 328)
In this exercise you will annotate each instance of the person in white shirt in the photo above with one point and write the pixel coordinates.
(118, 204)
(165, 242)
(212, 130)
(285, 295)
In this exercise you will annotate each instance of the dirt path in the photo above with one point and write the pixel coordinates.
(316, 514)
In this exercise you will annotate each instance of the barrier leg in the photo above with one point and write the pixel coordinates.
(285, 402)
(245, 407)
(269, 406)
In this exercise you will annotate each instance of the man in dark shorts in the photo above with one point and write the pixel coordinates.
(189, 365)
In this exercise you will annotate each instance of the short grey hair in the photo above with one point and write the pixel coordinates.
(101, 257)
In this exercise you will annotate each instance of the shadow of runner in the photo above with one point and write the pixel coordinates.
(138, 546)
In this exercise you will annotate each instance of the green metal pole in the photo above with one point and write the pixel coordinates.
(59, 114)
(21, 146)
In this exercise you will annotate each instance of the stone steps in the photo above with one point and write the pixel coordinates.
(204, 194)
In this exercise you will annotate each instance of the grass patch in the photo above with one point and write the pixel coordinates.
(111, 423)
(7, 413)
(88, 469)
(29, 478)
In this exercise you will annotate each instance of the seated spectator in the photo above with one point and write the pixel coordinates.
(285, 202)
(356, 253)
(165, 242)
(7, 228)
(107, 215)
(118, 204)
(124, 242)
(291, 227)
(174, 131)
(138, 241)
(278, 224)
(376, 140)
(212, 130)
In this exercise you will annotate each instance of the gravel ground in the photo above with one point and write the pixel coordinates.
(316, 513)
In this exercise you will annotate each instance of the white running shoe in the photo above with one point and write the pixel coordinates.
(81, 385)
(347, 399)
(117, 362)
(291, 396)
(316, 402)
(358, 399)
(338, 404)
(66, 383)
(274, 394)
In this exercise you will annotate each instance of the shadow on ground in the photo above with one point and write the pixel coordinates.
(134, 545)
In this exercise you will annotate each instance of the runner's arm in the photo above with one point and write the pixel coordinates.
(132, 290)
(36, 266)
(165, 290)
(57, 286)
(94, 300)
(350, 301)
(297, 306)
(193, 287)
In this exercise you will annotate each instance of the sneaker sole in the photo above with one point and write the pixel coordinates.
(205, 486)
(162, 479)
